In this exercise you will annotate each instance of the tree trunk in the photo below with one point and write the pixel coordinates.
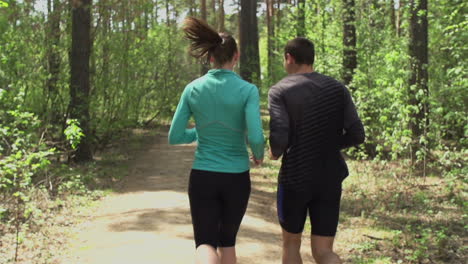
(213, 22)
(278, 14)
(146, 21)
(301, 30)
(349, 41)
(250, 59)
(106, 24)
(324, 26)
(127, 30)
(155, 11)
(221, 18)
(53, 59)
(270, 36)
(79, 81)
(205, 64)
(399, 14)
(191, 8)
(392, 15)
(203, 9)
(418, 51)
(168, 16)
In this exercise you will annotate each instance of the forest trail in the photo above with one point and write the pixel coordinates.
(148, 219)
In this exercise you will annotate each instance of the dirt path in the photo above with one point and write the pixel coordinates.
(148, 219)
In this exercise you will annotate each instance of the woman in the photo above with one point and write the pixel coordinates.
(225, 109)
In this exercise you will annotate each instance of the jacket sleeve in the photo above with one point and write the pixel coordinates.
(353, 133)
(179, 133)
(254, 123)
(279, 122)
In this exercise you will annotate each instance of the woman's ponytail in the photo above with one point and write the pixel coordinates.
(206, 42)
(203, 38)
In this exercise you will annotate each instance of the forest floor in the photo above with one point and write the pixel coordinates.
(147, 220)
(387, 215)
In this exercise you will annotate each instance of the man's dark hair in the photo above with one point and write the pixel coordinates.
(302, 50)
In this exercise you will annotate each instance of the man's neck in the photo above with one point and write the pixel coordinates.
(303, 68)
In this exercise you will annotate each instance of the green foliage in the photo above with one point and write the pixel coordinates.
(420, 243)
(23, 155)
(449, 84)
(139, 67)
(149, 81)
(380, 84)
(73, 132)
(415, 220)
(22, 152)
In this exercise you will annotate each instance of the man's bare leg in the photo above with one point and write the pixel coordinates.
(291, 248)
(322, 250)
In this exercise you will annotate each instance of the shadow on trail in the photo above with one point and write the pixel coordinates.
(159, 167)
(161, 173)
(162, 167)
(149, 212)
(152, 220)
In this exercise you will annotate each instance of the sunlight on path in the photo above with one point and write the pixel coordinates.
(138, 228)
(148, 220)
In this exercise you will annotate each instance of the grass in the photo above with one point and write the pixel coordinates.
(44, 236)
(388, 216)
(53, 214)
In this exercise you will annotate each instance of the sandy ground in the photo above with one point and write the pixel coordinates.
(148, 219)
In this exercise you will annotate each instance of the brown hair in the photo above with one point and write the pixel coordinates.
(206, 42)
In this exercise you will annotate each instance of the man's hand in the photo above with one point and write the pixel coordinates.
(272, 157)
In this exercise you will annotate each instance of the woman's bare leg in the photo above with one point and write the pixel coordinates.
(227, 255)
(206, 254)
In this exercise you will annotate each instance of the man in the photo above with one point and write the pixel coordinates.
(312, 117)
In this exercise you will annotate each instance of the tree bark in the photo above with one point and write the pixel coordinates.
(399, 14)
(79, 81)
(349, 41)
(301, 30)
(278, 14)
(213, 14)
(205, 64)
(270, 36)
(203, 9)
(53, 59)
(392, 15)
(418, 51)
(221, 18)
(168, 16)
(106, 24)
(146, 21)
(155, 11)
(250, 59)
(191, 8)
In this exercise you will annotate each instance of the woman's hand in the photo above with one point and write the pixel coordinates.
(257, 162)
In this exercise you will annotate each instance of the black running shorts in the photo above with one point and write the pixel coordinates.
(217, 203)
(322, 201)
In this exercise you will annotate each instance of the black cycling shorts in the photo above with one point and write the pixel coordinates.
(322, 201)
(218, 202)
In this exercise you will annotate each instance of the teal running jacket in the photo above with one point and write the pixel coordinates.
(226, 110)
